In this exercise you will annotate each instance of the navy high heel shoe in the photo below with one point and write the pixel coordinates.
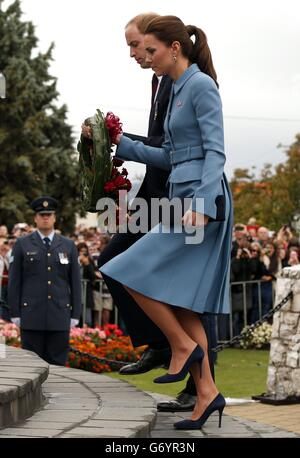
(197, 355)
(217, 404)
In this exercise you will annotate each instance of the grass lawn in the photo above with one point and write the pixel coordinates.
(239, 374)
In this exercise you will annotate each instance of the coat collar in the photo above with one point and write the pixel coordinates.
(36, 239)
(190, 71)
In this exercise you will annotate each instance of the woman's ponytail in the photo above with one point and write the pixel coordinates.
(200, 53)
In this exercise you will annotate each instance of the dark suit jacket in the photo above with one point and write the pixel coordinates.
(42, 290)
(155, 179)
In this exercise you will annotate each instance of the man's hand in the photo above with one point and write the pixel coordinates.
(16, 321)
(74, 322)
(86, 131)
(191, 218)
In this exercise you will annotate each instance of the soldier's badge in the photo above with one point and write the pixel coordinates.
(45, 204)
(63, 258)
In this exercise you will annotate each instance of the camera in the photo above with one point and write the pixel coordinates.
(239, 228)
(244, 253)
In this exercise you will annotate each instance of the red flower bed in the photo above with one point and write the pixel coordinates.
(108, 342)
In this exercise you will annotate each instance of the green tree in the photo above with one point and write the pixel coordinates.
(274, 196)
(36, 143)
(286, 185)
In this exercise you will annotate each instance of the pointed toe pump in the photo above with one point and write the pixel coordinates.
(197, 355)
(217, 404)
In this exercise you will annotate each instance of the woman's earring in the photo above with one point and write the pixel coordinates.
(175, 59)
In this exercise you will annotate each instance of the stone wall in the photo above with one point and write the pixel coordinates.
(284, 366)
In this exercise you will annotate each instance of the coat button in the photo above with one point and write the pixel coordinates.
(68, 305)
(49, 254)
(49, 282)
(25, 304)
(31, 259)
(49, 268)
(49, 297)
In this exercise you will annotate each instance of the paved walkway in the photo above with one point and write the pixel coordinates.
(84, 404)
(284, 417)
(232, 425)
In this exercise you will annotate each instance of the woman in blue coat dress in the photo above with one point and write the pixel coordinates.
(170, 279)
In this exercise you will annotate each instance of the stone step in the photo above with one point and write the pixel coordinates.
(69, 403)
(84, 404)
(21, 376)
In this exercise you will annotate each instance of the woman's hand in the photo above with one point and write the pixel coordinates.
(118, 139)
(86, 131)
(191, 218)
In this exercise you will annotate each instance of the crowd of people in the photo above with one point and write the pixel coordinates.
(257, 257)
(90, 242)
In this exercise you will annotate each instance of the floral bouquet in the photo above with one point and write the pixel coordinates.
(100, 176)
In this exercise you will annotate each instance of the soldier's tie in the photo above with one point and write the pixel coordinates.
(47, 242)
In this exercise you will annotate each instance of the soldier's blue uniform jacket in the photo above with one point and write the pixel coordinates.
(45, 286)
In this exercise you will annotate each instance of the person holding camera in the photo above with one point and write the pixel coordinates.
(88, 274)
(241, 271)
(260, 263)
(4, 266)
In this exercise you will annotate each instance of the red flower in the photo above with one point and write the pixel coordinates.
(109, 187)
(119, 181)
(113, 125)
(117, 162)
(115, 172)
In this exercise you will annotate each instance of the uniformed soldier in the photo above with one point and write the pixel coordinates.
(44, 290)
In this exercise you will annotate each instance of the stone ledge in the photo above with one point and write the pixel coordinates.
(21, 376)
(84, 404)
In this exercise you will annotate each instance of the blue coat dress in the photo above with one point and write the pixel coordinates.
(162, 265)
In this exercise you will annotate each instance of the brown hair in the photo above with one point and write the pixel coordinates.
(170, 28)
(141, 21)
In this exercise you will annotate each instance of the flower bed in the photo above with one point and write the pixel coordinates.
(108, 342)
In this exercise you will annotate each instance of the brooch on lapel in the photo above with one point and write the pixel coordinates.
(179, 103)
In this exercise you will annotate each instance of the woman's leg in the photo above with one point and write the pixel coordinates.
(183, 329)
(205, 386)
(164, 317)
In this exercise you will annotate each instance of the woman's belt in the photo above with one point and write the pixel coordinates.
(186, 154)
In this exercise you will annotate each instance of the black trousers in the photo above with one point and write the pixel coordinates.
(52, 346)
(140, 327)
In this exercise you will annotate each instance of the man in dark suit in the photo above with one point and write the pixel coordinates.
(44, 291)
(141, 329)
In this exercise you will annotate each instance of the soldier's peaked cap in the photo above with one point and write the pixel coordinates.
(44, 204)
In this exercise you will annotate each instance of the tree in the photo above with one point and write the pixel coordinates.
(273, 197)
(36, 143)
(286, 184)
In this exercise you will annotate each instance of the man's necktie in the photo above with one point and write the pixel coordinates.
(47, 242)
(154, 87)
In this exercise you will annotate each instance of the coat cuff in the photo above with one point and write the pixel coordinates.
(123, 149)
(205, 205)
